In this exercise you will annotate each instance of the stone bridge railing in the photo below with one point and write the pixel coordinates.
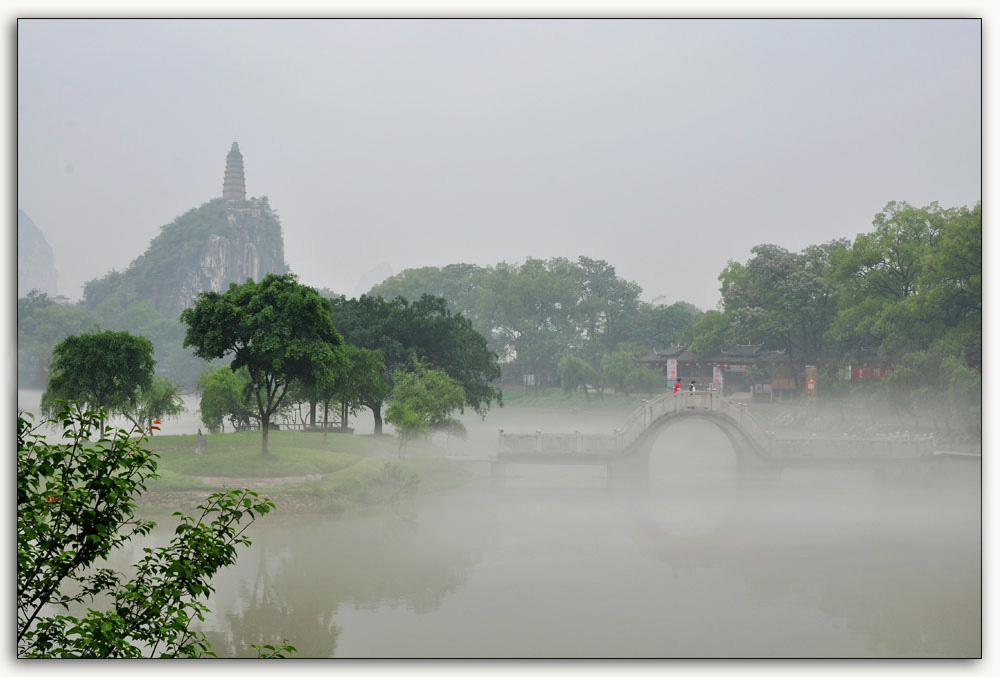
(803, 447)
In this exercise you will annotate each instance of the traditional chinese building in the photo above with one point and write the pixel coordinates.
(742, 368)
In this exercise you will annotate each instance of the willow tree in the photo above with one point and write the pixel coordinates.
(278, 329)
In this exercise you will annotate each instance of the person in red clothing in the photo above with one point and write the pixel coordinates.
(677, 386)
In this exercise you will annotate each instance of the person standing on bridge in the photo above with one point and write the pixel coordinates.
(691, 387)
(677, 386)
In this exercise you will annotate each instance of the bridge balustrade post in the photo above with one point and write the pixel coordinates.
(618, 440)
(538, 441)
(501, 439)
(579, 441)
(648, 418)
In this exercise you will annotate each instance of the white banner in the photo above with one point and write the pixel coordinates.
(671, 370)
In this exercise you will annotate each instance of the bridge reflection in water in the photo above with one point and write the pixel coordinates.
(759, 454)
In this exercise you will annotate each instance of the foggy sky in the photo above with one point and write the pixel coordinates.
(665, 147)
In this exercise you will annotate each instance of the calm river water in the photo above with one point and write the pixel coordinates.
(822, 563)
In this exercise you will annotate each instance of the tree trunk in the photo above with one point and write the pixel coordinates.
(377, 411)
(326, 407)
(343, 414)
(312, 413)
(265, 423)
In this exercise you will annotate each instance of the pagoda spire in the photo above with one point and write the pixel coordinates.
(233, 183)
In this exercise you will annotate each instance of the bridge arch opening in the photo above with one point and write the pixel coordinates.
(694, 476)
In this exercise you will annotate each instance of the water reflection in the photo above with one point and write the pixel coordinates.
(817, 565)
(299, 577)
(815, 562)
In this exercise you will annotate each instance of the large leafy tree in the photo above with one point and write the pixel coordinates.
(782, 299)
(881, 274)
(659, 326)
(106, 369)
(427, 330)
(711, 332)
(278, 329)
(606, 304)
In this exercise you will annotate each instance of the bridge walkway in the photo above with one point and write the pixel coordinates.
(576, 447)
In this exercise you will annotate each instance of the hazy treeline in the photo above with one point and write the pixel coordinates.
(908, 292)
(42, 323)
(536, 313)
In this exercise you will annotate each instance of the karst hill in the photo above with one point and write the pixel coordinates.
(225, 240)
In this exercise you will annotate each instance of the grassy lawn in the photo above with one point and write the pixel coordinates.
(358, 470)
(291, 453)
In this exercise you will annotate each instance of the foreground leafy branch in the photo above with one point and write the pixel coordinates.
(75, 504)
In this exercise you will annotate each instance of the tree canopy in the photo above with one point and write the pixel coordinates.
(104, 369)
(534, 313)
(421, 398)
(278, 329)
(426, 330)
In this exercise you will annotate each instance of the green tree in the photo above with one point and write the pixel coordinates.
(881, 273)
(576, 373)
(616, 367)
(278, 329)
(360, 383)
(226, 394)
(426, 330)
(782, 299)
(421, 398)
(105, 369)
(605, 306)
(75, 505)
(645, 380)
(532, 314)
(142, 318)
(159, 399)
(711, 332)
(660, 325)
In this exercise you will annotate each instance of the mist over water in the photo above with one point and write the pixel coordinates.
(838, 562)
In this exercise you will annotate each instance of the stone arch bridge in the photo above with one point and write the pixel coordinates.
(625, 451)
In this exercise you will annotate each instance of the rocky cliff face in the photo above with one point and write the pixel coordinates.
(35, 264)
(248, 248)
(204, 249)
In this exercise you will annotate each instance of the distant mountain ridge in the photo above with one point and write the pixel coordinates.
(36, 267)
